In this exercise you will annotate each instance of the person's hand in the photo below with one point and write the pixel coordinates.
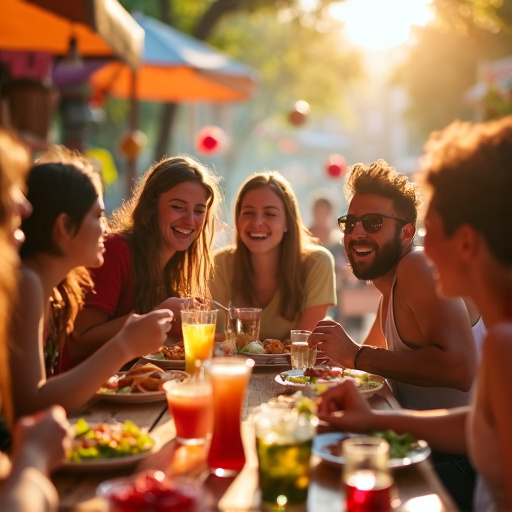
(176, 305)
(145, 333)
(330, 337)
(41, 439)
(345, 408)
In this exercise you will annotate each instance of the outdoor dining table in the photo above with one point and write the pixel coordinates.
(417, 486)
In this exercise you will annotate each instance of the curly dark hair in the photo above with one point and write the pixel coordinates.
(381, 179)
(469, 170)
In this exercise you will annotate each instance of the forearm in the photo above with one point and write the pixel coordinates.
(427, 366)
(443, 429)
(28, 490)
(73, 388)
(86, 341)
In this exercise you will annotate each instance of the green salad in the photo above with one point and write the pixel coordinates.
(400, 445)
(106, 440)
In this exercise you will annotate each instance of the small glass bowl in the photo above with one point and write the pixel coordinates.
(151, 491)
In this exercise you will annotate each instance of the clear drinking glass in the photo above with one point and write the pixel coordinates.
(366, 474)
(302, 355)
(229, 377)
(198, 328)
(283, 442)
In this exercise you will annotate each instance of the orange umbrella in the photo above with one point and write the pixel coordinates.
(111, 30)
(176, 67)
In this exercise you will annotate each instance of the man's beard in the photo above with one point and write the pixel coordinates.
(385, 258)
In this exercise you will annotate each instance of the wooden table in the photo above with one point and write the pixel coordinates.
(417, 486)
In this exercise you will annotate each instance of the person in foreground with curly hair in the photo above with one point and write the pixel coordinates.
(422, 343)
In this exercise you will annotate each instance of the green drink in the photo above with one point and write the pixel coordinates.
(284, 439)
(284, 470)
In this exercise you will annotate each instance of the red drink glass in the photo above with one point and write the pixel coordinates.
(191, 406)
(229, 378)
(366, 474)
(366, 491)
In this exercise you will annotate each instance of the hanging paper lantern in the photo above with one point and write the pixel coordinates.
(335, 166)
(132, 143)
(299, 114)
(211, 139)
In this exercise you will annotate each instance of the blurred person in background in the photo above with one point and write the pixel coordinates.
(323, 227)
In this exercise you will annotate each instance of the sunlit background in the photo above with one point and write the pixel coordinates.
(381, 24)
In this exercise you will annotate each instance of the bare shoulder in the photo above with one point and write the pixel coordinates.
(414, 263)
(30, 286)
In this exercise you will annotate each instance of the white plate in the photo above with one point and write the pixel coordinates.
(269, 359)
(111, 463)
(142, 397)
(322, 441)
(164, 363)
(299, 373)
(105, 464)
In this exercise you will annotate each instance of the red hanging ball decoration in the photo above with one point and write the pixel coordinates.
(335, 166)
(298, 116)
(210, 140)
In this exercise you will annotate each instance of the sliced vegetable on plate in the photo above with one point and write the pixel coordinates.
(107, 441)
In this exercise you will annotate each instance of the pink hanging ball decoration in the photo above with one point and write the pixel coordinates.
(335, 166)
(210, 140)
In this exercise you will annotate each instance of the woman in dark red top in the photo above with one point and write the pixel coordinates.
(158, 253)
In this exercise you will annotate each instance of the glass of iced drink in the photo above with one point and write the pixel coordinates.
(229, 377)
(246, 325)
(191, 406)
(284, 440)
(366, 475)
(302, 355)
(198, 328)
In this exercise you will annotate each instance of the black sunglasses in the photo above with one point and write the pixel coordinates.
(371, 222)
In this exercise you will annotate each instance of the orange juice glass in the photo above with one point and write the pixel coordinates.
(229, 377)
(198, 328)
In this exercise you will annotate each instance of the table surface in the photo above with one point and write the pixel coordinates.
(417, 487)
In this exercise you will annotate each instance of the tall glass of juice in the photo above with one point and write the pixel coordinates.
(229, 377)
(198, 328)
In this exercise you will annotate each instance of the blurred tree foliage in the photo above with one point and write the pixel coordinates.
(442, 65)
(298, 51)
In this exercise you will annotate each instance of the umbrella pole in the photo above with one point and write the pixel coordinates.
(131, 160)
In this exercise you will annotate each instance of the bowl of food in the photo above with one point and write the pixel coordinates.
(151, 491)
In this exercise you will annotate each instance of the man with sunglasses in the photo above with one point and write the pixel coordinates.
(423, 344)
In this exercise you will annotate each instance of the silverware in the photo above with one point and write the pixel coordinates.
(221, 306)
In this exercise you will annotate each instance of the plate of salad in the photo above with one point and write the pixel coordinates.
(323, 376)
(404, 449)
(107, 446)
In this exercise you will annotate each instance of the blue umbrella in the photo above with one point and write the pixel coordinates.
(176, 67)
